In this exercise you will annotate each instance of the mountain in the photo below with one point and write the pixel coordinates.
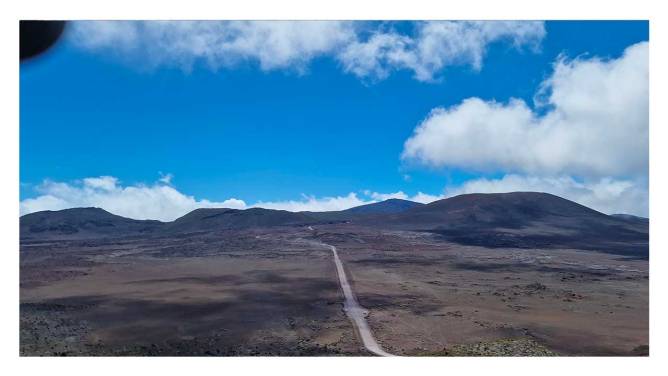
(79, 223)
(631, 218)
(393, 205)
(95, 222)
(505, 210)
(354, 214)
(521, 219)
(511, 220)
(225, 219)
(84, 223)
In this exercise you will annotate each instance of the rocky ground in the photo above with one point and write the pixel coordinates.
(502, 347)
(275, 292)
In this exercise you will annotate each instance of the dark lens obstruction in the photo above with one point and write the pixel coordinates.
(38, 36)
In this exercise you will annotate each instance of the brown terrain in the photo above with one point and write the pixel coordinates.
(520, 274)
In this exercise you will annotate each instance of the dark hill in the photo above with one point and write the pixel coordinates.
(225, 219)
(631, 218)
(390, 206)
(505, 210)
(82, 223)
(521, 219)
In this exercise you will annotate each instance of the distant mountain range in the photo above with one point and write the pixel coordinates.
(518, 219)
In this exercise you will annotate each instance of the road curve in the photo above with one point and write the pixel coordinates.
(355, 312)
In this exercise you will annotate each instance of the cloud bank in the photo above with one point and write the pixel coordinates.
(158, 201)
(163, 202)
(587, 140)
(423, 198)
(596, 124)
(368, 50)
(606, 195)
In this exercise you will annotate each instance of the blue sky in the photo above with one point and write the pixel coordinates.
(320, 122)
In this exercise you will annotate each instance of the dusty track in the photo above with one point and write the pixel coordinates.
(355, 312)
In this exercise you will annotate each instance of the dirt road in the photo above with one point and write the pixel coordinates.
(355, 312)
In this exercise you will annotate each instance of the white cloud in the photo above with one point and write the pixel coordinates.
(386, 196)
(333, 203)
(426, 198)
(434, 46)
(271, 44)
(589, 145)
(595, 125)
(377, 56)
(418, 197)
(311, 203)
(164, 202)
(292, 45)
(606, 195)
(158, 201)
(105, 183)
(166, 178)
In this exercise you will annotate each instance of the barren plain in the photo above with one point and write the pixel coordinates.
(274, 291)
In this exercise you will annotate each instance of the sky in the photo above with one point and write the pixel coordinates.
(151, 120)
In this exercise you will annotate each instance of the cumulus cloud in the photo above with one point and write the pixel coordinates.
(426, 198)
(606, 195)
(435, 45)
(418, 197)
(163, 202)
(364, 49)
(595, 125)
(104, 183)
(333, 203)
(311, 203)
(158, 201)
(588, 142)
(272, 44)
(166, 178)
